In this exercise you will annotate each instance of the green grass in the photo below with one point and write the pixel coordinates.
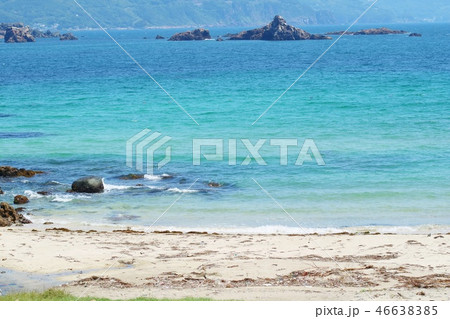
(60, 295)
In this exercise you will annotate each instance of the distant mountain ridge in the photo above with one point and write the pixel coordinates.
(170, 13)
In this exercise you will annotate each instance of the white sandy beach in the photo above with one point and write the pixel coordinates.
(126, 264)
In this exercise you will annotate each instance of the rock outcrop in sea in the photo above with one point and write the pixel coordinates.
(195, 35)
(8, 171)
(67, 36)
(373, 31)
(22, 33)
(20, 199)
(9, 216)
(14, 35)
(159, 37)
(45, 35)
(415, 34)
(277, 30)
(90, 184)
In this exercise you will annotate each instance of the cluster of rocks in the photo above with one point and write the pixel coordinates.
(373, 31)
(67, 36)
(277, 30)
(9, 216)
(8, 171)
(195, 35)
(44, 34)
(18, 32)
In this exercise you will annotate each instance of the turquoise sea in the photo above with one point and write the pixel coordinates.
(377, 107)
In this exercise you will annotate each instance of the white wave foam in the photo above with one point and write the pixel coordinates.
(177, 190)
(64, 198)
(110, 187)
(152, 177)
(32, 195)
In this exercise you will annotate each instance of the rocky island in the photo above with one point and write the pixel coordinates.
(277, 30)
(373, 31)
(195, 35)
(18, 32)
(67, 36)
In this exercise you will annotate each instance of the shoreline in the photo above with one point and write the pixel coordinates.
(232, 266)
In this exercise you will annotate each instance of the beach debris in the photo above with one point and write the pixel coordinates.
(277, 30)
(20, 199)
(8, 171)
(428, 281)
(104, 282)
(195, 35)
(128, 231)
(169, 232)
(90, 184)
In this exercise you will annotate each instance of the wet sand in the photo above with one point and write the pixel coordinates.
(124, 264)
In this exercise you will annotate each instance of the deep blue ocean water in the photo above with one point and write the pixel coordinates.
(377, 107)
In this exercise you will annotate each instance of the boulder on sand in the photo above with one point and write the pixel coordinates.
(90, 184)
(8, 215)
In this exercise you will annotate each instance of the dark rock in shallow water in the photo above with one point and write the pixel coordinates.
(277, 30)
(1, 191)
(214, 184)
(43, 193)
(195, 35)
(373, 31)
(131, 176)
(22, 34)
(159, 37)
(90, 184)
(8, 171)
(8, 215)
(415, 34)
(20, 200)
(219, 39)
(67, 36)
